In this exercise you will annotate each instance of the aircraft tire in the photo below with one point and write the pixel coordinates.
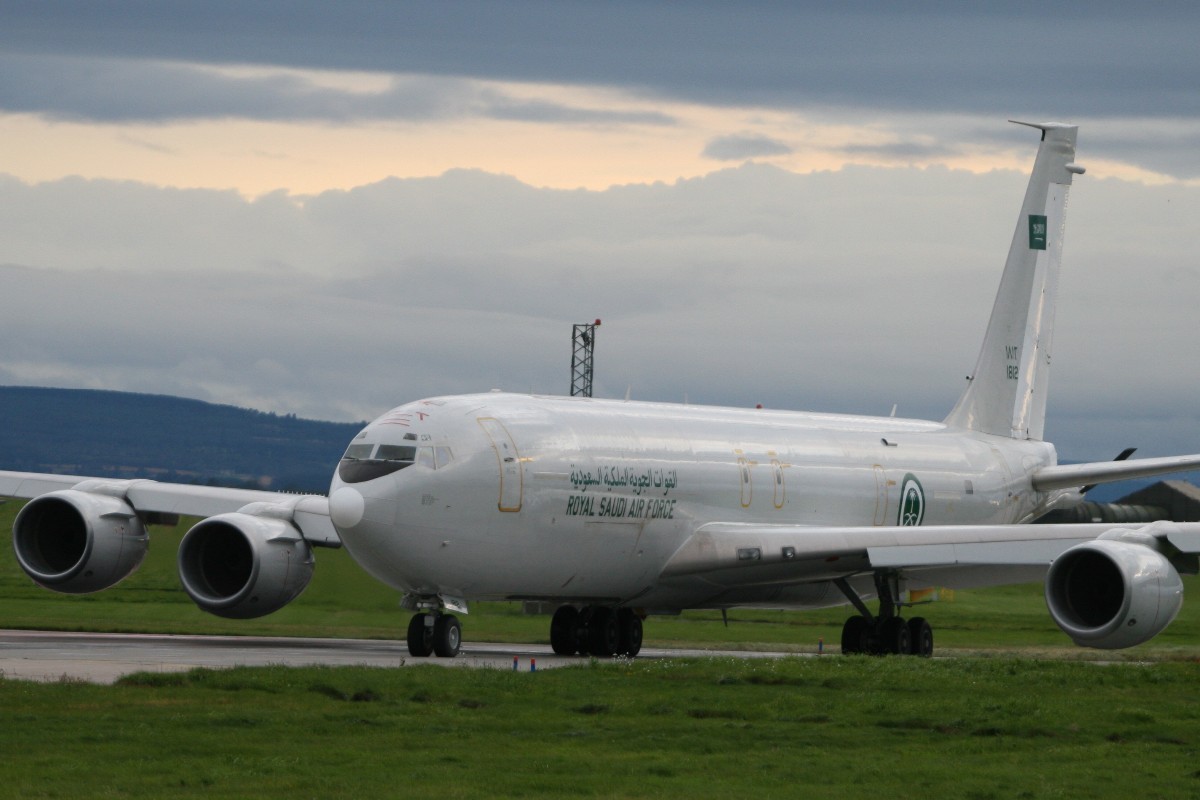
(854, 635)
(629, 629)
(604, 636)
(447, 636)
(420, 637)
(894, 637)
(921, 635)
(564, 627)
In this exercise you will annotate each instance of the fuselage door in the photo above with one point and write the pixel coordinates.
(747, 486)
(511, 474)
(780, 487)
(881, 495)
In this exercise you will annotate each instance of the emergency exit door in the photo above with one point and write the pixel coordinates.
(512, 478)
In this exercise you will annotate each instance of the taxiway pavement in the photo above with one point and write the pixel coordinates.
(104, 657)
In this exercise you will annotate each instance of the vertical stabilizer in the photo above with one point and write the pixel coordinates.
(1007, 392)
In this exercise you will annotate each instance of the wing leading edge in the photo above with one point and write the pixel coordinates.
(309, 513)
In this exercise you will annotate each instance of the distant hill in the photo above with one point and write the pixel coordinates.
(126, 435)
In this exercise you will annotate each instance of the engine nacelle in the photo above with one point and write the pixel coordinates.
(1112, 594)
(242, 566)
(79, 542)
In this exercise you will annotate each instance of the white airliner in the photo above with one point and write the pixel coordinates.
(616, 510)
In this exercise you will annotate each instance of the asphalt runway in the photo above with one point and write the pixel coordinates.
(104, 657)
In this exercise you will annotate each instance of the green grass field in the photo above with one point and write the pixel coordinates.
(992, 724)
(708, 728)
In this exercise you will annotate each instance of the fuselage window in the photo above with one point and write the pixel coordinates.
(444, 456)
(425, 457)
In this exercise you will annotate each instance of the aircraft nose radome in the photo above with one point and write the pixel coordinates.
(346, 507)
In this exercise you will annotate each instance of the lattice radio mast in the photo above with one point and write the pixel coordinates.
(583, 346)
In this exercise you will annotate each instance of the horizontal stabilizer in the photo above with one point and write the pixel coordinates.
(1072, 475)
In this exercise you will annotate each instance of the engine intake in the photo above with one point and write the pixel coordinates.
(78, 542)
(242, 566)
(1111, 594)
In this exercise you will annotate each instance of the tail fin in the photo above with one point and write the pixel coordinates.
(1007, 392)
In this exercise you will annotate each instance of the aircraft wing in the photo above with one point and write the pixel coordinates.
(309, 513)
(790, 552)
(1072, 475)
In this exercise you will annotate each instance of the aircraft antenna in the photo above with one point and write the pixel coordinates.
(583, 348)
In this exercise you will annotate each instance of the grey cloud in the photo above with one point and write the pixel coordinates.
(496, 105)
(903, 151)
(837, 291)
(126, 90)
(1169, 148)
(1115, 59)
(742, 146)
(881, 64)
(150, 146)
(542, 111)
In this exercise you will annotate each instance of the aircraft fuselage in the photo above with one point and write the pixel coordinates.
(575, 499)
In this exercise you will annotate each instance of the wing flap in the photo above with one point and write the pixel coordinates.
(790, 550)
(1186, 541)
(1028, 552)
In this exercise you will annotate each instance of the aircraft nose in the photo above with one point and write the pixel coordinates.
(346, 507)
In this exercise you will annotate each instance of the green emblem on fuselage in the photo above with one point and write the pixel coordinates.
(1037, 231)
(912, 501)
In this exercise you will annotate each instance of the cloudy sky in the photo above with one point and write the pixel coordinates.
(329, 209)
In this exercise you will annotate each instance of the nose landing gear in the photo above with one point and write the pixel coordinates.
(431, 633)
(432, 630)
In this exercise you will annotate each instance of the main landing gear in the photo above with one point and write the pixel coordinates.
(593, 630)
(596, 630)
(434, 632)
(887, 632)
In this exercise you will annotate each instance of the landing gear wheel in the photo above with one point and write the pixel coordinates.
(894, 637)
(921, 636)
(420, 636)
(629, 629)
(564, 639)
(447, 636)
(854, 635)
(604, 637)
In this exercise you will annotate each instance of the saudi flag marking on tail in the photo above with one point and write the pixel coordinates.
(1037, 231)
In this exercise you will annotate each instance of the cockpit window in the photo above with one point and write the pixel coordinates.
(359, 451)
(396, 452)
(358, 466)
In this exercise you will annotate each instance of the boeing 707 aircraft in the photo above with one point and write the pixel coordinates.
(618, 510)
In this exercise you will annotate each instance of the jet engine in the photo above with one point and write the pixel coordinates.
(241, 566)
(1112, 594)
(78, 542)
